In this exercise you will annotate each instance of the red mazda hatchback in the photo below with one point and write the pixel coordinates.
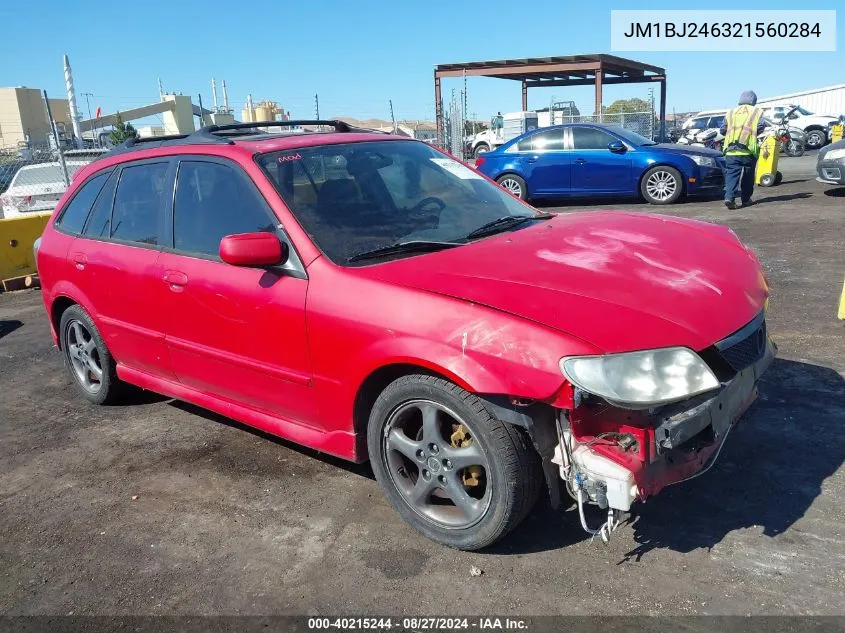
(370, 297)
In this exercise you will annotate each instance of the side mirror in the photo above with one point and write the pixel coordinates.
(253, 249)
(617, 147)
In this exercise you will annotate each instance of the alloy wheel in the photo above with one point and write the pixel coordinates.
(661, 185)
(512, 186)
(84, 356)
(437, 465)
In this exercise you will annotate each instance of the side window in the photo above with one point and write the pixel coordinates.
(549, 140)
(74, 214)
(524, 145)
(213, 201)
(591, 138)
(717, 121)
(141, 195)
(99, 221)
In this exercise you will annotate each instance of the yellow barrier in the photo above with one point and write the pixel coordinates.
(17, 235)
(837, 132)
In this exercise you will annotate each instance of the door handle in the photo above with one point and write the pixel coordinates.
(176, 280)
(533, 159)
(580, 161)
(79, 260)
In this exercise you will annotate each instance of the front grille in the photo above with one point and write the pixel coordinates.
(745, 347)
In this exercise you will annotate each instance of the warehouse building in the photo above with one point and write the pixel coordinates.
(23, 117)
(830, 100)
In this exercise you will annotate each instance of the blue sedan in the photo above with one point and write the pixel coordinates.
(601, 161)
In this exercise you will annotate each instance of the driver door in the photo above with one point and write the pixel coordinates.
(595, 169)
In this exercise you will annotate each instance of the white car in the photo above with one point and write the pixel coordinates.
(37, 188)
(816, 126)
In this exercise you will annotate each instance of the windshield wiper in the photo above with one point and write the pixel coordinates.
(504, 223)
(410, 246)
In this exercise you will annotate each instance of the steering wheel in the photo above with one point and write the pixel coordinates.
(422, 204)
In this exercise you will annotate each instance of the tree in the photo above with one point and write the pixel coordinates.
(121, 131)
(471, 128)
(627, 105)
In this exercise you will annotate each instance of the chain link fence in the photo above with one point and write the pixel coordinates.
(643, 123)
(456, 135)
(38, 159)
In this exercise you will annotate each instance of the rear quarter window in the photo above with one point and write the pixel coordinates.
(73, 217)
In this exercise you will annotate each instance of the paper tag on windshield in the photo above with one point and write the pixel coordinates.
(461, 171)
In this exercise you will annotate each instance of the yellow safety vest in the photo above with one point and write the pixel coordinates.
(742, 124)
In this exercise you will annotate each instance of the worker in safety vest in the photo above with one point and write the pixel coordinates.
(742, 125)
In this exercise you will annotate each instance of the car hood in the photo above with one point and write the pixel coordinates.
(675, 148)
(621, 281)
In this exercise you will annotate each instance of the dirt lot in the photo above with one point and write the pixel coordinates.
(227, 521)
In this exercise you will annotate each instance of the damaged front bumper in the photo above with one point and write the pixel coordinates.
(613, 457)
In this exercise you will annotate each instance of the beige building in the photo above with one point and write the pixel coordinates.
(23, 117)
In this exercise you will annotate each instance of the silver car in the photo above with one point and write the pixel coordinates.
(37, 188)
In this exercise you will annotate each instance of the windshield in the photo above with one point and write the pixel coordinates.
(632, 137)
(358, 197)
(804, 111)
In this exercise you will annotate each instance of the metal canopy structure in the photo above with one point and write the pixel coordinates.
(571, 70)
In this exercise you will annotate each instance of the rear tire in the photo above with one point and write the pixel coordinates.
(91, 366)
(464, 495)
(481, 148)
(816, 139)
(794, 149)
(514, 185)
(661, 185)
(767, 180)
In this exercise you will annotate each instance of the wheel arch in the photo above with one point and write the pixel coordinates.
(57, 308)
(376, 382)
(679, 168)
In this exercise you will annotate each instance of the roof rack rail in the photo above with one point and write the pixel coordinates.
(339, 126)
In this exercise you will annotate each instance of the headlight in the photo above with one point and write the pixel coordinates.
(644, 379)
(834, 154)
(702, 161)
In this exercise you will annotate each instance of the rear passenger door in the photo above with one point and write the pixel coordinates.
(547, 167)
(114, 262)
(233, 331)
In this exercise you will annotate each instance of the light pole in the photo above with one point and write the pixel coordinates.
(94, 139)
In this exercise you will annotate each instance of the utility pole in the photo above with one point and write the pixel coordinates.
(392, 118)
(87, 95)
(317, 106)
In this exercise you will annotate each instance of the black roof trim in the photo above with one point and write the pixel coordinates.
(223, 134)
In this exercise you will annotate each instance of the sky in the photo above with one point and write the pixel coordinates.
(358, 56)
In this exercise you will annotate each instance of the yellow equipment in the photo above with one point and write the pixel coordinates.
(842, 303)
(767, 173)
(837, 132)
(17, 235)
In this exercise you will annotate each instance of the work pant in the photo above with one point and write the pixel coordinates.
(739, 177)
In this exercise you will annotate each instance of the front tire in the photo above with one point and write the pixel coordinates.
(662, 185)
(514, 185)
(91, 366)
(767, 180)
(450, 469)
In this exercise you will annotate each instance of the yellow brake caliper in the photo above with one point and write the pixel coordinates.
(471, 475)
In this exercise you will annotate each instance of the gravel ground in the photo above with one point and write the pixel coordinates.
(158, 507)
